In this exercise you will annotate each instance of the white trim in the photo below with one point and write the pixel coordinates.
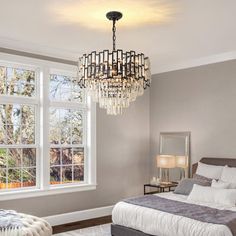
(227, 56)
(79, 215)
(30, 47)
(32, 192)
(30, 63)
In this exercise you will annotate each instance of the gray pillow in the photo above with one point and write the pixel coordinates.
(202, 178)
(186, 185)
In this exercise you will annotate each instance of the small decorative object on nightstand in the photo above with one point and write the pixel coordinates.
(160, 188)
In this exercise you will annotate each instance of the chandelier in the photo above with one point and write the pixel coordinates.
(114, 78)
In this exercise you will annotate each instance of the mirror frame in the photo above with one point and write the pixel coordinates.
(186, 135)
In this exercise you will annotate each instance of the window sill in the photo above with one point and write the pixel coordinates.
(11, 195)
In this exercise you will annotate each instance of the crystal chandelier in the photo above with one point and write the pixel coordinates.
(114, 78)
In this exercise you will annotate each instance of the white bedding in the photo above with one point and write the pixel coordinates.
(160, 223)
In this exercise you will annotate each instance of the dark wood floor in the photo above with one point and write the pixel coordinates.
(81, 224)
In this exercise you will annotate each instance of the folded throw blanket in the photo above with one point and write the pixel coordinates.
(9, 221)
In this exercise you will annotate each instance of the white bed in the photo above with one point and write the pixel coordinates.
(160, 223)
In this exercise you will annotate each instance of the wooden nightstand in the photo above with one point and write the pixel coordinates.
(162, 187)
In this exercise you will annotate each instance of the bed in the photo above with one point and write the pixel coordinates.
(135, 220)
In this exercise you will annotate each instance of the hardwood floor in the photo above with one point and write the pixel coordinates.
(81, 224)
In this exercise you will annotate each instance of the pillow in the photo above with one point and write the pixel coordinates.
(209, 171)
(186, 185)
(202, 178)
(225, 197)
(228, 174)
(219, 184)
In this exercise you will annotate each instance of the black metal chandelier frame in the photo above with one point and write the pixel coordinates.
(110, 65)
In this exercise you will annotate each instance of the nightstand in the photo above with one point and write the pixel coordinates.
(161, 188)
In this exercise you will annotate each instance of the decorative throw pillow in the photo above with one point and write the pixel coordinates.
(226, 197)
(186, 185)
(228, 174)
(219, 184)
(202, 178)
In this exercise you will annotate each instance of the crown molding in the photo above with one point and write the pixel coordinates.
(227, 56)
(38, 49)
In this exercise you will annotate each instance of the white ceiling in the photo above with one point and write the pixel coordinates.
(170, 32)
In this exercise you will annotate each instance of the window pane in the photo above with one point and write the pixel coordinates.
(78, 156)
(28, 134)
(3, 178)
(2, 114)
(55, 135)
(67, 174)
(3, 158)
(13, 134)
(20, 82)
(14, 178)
(66, 134)
(66, 156)
(55, 175)
(77, 127)
(29, 157)
(27, 115)
(29, 177)
(55, 156)
(65, 88)
(2, 80)
(14, 157)
(54, 117)
(78, 173)
(2, 135)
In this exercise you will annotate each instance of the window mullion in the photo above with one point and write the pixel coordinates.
(45, 160)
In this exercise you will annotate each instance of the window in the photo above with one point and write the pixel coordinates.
(18, 149)
(47, 130)
(67, 136)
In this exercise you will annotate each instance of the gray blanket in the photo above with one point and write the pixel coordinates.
(10, 220)
(192, 211)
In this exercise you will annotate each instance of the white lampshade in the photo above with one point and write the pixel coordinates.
(166, 161)
(182, 161)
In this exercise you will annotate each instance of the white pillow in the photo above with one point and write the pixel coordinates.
(209, 171)
(228, 174)
(226, 197)
(219, 184)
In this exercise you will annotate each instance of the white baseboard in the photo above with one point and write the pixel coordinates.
(79, 215)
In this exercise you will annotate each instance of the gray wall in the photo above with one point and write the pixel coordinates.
(122, 165)
(201, 100)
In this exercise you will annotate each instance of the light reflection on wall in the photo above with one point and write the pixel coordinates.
(91, 13)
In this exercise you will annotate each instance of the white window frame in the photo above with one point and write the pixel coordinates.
(43, 69)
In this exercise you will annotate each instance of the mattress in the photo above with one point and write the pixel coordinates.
(160, 223)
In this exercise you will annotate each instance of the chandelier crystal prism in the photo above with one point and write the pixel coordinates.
(114, 78)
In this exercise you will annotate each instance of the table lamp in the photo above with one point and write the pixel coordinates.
(166, 162)
(182, 162)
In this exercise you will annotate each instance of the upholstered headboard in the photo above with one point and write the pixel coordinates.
(215, 161)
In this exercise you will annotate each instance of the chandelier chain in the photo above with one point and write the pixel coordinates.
(114, 35)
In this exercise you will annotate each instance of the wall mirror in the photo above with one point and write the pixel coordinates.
(174, 155)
